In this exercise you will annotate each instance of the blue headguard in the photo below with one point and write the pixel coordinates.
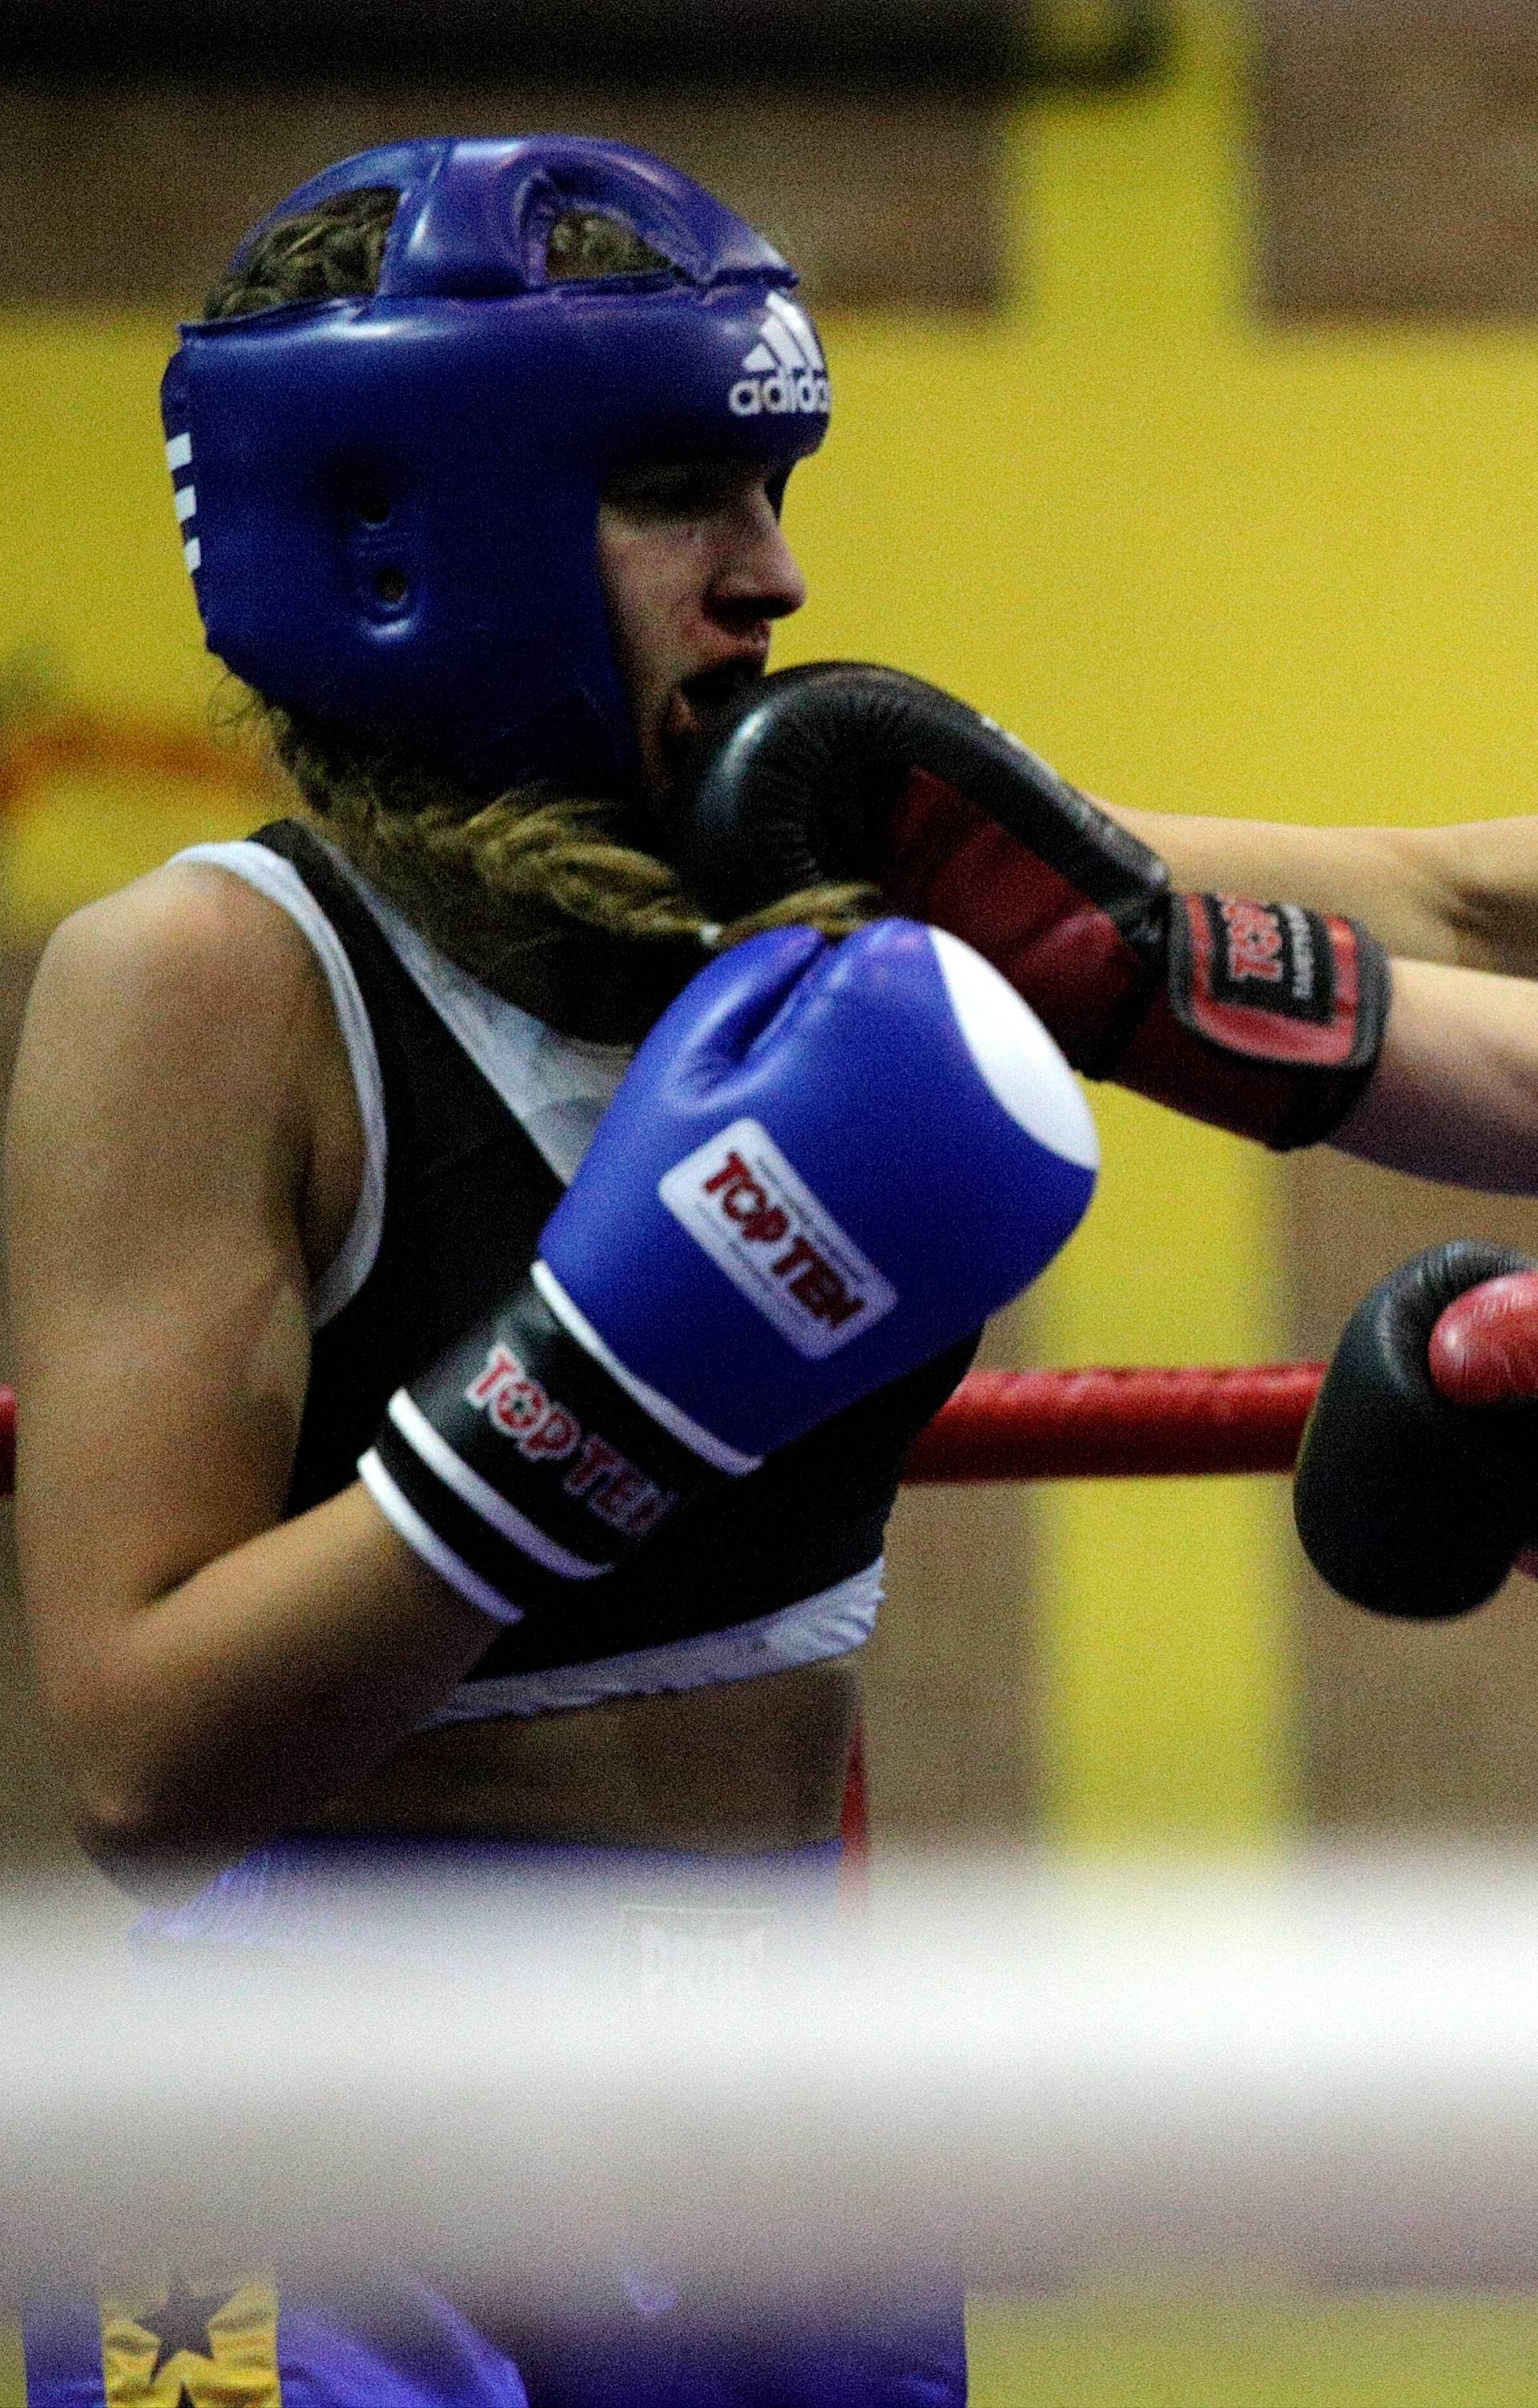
(389, 503)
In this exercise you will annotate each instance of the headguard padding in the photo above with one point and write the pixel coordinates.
(389, 503)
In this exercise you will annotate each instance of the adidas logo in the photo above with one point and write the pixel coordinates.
(785, 370)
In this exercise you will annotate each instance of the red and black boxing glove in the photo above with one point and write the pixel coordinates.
(1416, 1486)
(1259, 1017)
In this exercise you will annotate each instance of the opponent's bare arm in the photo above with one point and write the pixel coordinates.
(178, 1142)
(1455, 1094)
(1466, 894)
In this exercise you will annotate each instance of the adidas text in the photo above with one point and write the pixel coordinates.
(783, 391)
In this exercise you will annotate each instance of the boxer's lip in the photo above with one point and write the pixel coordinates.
(694, 699)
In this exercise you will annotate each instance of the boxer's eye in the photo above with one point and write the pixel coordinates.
(672, 488)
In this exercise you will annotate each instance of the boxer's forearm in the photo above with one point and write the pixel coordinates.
(1465, 894)
(241, 1701)
(1455, 1095)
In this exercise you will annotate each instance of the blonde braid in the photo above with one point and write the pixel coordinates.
(539, 896)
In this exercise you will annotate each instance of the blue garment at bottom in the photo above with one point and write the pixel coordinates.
(886, 2355)
(192, 2338)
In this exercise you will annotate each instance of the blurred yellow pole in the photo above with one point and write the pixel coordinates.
(1163, 1678)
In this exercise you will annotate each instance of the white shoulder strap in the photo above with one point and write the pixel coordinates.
(277, 878)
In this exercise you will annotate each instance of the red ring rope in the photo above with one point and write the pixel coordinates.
(1074, 1425)
(1111, 1425)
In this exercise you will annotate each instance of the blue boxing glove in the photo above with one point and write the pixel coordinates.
(826, 1162)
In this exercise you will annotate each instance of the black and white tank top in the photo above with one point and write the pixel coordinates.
(475, 1115)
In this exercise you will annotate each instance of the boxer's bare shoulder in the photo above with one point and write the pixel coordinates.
(185, 1024)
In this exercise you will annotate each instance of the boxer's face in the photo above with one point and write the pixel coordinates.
(694, 568)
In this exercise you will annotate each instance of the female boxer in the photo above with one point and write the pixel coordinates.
(478, 460)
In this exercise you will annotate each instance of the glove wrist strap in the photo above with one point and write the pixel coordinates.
(524, 1460)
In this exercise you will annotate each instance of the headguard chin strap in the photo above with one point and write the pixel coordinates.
(389, 503)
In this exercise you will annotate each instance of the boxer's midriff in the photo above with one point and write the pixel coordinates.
(749, 1766)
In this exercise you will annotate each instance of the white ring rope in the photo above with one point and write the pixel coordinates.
(1323, 2075)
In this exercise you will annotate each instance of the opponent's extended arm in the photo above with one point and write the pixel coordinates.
(1264, 1018)
(826, 1164)
(1417, 1488)
(1465, 893)
(1455, 1094)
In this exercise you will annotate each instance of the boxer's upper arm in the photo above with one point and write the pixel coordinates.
(156, 1154)
(210, 1670)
